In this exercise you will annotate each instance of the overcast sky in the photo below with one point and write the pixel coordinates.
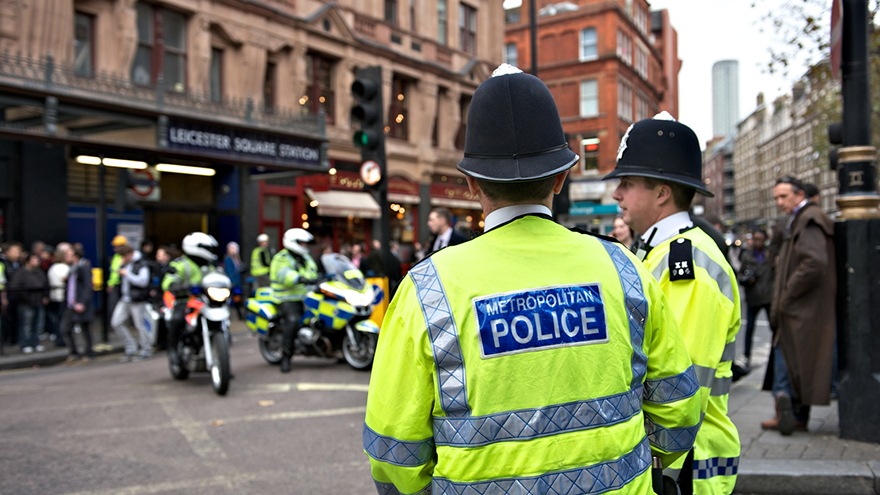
(713, 30)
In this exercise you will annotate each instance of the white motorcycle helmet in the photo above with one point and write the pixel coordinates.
(293, 238)
(200, 245)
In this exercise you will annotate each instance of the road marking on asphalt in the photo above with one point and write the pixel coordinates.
(195, 433)
(305, 387)
(192, 425)
(230, 481)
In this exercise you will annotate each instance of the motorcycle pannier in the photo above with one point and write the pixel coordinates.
(261, 311)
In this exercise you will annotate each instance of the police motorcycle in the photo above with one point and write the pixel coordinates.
(335, 319)
(204, 342)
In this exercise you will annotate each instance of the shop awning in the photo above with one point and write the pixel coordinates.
(345, 204)
(407, 199)
(456, 203)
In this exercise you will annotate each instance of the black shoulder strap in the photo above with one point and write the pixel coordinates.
(681, 260)
(592, 234)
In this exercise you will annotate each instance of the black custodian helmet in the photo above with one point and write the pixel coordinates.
(663, 149)
(513, 130)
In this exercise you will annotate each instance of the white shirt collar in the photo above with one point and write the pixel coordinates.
(508, 213)
(667, 227)
(798, 207)
(443, 239)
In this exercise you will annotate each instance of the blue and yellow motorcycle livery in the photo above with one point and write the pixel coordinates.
(336, 317)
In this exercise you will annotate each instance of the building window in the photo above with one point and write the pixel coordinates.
(624, 47)
(589, 98)
(442, 94)
(642, 106)
(319, 93)
(590, 154)
(412, 15)
(216, 74)
(588, 47)
(467, 21)
(640, 17)
(510, 54)
(442, 26)
(391, 11)
(463, 106)
(512, 14)
(398, 124)
(83, 45)
(270, 87)
(642, 62)
(161, 50)
(624, 101)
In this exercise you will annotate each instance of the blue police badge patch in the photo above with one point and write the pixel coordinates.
(540, 318)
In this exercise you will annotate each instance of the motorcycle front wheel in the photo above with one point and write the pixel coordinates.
(178, 371)
(359, 355)
(272, 347)
(220, 365)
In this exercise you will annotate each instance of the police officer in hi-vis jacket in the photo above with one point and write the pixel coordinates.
(531, 359)
(659, 165)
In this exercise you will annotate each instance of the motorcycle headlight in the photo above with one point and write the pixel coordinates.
(218, 294)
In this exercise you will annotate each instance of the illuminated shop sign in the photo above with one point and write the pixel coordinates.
(248, 145)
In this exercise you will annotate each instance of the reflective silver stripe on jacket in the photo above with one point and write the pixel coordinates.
(671, 439)
(390, 489)
(729, 352)
(526, 424)
(637, 308)
(672, 388)
(397, 452)
(444, 339)
(705, 375)
(721, 386)
(594, 479)
(701, 259)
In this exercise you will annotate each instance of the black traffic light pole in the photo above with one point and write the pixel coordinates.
(370, 138)
(857, 240)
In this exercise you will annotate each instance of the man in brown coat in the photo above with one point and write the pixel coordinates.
(803, 311)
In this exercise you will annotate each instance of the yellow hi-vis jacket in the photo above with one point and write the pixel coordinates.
(528, 360)
(285, 274)
(260, 261)
(702, 292)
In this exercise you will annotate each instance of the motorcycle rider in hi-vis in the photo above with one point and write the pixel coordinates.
(184, 273)
(291, 271)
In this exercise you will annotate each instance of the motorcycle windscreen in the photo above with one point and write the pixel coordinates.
(341, 269)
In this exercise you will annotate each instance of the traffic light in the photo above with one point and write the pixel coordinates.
(367, 91)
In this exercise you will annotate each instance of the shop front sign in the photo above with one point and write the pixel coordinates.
(251, 146)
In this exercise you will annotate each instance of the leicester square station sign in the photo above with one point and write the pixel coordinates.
(251, 146)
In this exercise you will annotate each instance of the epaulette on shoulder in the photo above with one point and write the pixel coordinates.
(681, 260)
(592, 234)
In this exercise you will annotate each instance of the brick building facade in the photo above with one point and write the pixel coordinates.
(608, 64)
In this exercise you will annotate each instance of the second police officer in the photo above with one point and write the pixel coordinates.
(659, 165)
(531, 358)
(182, 275)
(291, 271)
(261, 258)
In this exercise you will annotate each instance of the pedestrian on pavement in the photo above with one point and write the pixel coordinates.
(375, 264)
(659, 164)
(78, 313)
(134, 277)
(357, 256)
(32, 292)
(113, 291)
(442, 233)
(803, 309)
(527, 323)
(10, 256)
(233, 266)
(756, 275)
(623, 232)
(292, 270)
(261, 258)
(164, 255)
(57, 276)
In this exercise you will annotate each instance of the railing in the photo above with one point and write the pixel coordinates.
(48, 76)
